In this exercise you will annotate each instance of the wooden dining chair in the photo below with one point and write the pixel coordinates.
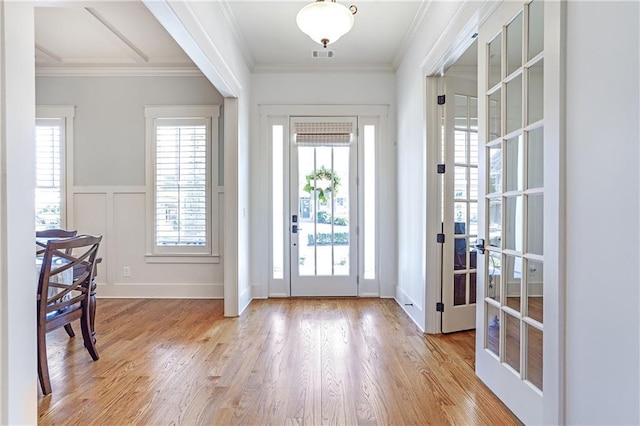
(41, 238)
(64, 296)
(41, 241)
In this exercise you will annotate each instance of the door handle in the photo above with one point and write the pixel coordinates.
(480, 245)
(294, 227)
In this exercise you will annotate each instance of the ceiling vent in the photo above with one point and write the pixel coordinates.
(320, 54)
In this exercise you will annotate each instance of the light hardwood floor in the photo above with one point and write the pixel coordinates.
(284, 361)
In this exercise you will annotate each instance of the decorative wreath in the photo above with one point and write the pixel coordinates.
(319, 176)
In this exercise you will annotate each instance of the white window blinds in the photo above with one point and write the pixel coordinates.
(181, 182)
(48, 194)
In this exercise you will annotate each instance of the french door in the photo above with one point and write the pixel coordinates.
(513, 211)
(323, 200)
(460, 205)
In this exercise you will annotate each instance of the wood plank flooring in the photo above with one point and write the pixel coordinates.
(283, 362)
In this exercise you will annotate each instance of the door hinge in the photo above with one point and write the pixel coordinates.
(439, 307)
(358, 231)
(441, 169)
(440, 99)
(440, 238)
(357, 279)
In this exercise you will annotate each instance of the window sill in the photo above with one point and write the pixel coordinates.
(182, 258)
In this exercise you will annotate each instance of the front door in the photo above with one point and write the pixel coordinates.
(460, 204)
(323, 217)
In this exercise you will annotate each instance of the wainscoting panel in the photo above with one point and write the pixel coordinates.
(119, 214)
(90, 211)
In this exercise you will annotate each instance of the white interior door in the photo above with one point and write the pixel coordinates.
(324, 204)
(460, 208)
(509, 346)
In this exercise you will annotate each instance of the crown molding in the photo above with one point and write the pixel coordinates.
(230, 18)
(419, 17)
(116, 71)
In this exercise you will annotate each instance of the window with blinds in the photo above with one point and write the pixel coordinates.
(182, 199)
(48, 193)
(181, 182)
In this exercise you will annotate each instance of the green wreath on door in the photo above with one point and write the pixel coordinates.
(322, 175)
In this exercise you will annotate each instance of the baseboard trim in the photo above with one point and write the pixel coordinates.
(244, 300)
(412, 309)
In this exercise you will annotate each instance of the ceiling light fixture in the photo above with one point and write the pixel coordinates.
(325, 21)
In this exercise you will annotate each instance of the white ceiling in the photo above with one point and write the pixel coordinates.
(377, 41)
(103, 35)
(77, 36)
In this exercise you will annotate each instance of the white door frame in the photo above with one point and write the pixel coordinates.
(382, 285)
(450, 46)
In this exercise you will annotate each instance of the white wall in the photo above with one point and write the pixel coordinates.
(200, 28)
(320, 89)
(416, 249)
(219, 56)
(245, 239)
(109, 121)
(602, 137)
(108, 191)
(323, 88)
(18, 282)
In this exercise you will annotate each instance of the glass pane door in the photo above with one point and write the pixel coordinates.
(461, 204)
(324, 207)
(514, 202)
(510, 341)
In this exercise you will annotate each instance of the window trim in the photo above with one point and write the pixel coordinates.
(65, 113)
(210, 252)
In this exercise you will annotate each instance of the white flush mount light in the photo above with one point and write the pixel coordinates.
(325, 21)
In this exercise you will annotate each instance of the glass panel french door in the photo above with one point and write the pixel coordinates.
(509, 352)
(461, 205)
(324, 207)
